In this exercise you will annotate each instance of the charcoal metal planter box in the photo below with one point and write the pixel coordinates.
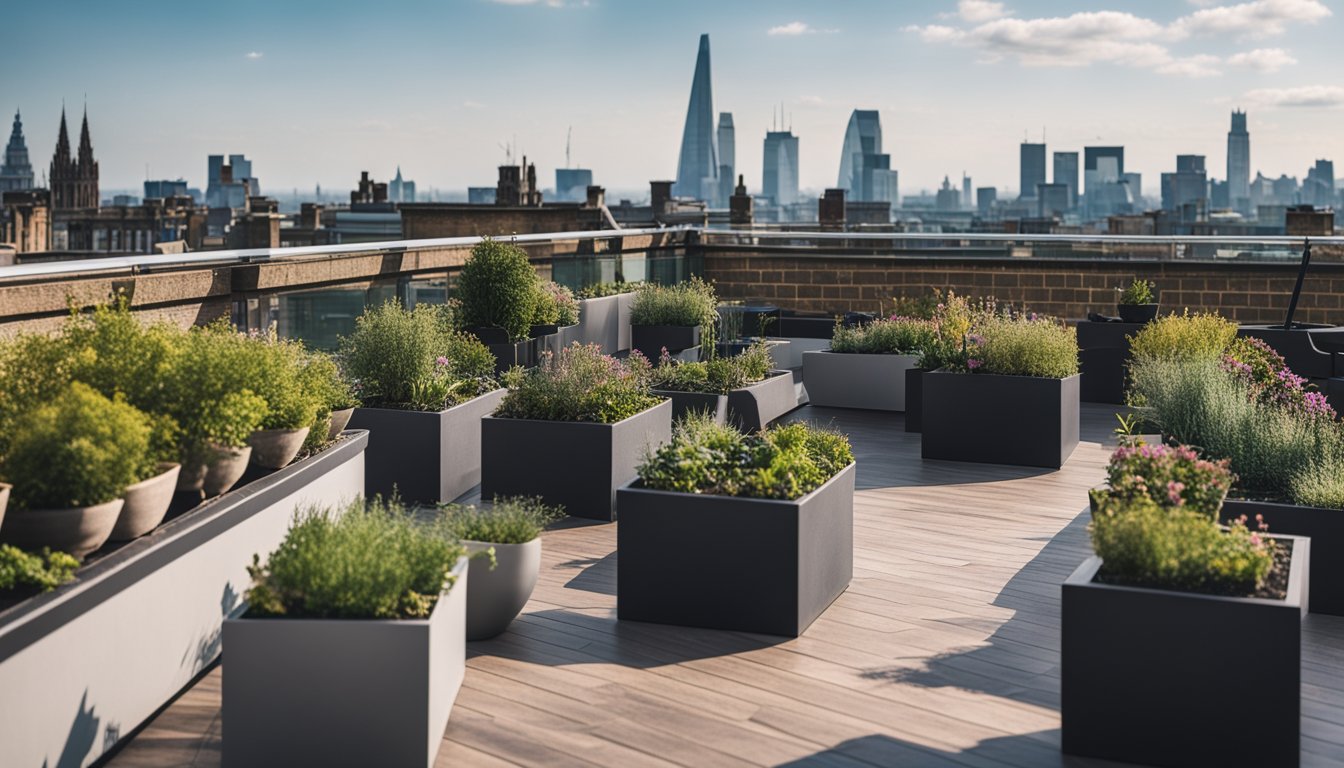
(991, 419)
(1103, 359)
(84, 666)
(1325, 528)
(575, 464)
(343, 691)
(761, 565)
(781, 354)
(849, 380)
(650, 340)
(429, 457)
(1157, 677)
(914, 399)
(749, 408)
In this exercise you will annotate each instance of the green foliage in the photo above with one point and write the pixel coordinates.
(1015, 346)
(32, 368)
(373, 561)
(579, 384)
(719, 375)
(1204, 336)
(414, 359)
(42, 571)
(691, 303)
(1143, 544)
(79, 450)
(922, 307)
(894, 336)
(205, 394)
(556, 305)
(506, 521)
(1173, 476)
(322, 376)
(598, 290)
(1138, 292)
(273, 369)
(954, 318)
(785, 462)
(498, 289)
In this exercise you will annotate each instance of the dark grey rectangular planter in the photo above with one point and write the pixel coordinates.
(748, 408)
(650, 340)
(1325, 528)
(343, 691)
(850, 380)
(914, 399)
(1158, 677)
(760, 565)
(1103, 357)
(428, 457)
(992, 419)
(572, 463)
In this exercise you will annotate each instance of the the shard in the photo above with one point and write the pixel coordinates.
(698, 168)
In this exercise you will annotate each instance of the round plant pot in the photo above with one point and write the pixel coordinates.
(495, 597)
(276, 448)
(1137, 313)
(226, 469)
(338, 421)
(146, 503)
(79, 530)
(4, 501)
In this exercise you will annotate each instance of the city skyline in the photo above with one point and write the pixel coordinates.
(958, 86)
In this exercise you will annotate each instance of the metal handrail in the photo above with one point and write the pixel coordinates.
(756, 236)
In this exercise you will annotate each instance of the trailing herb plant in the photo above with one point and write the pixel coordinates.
(579, 384)
(506, 521)
(1203, 335)
(498, 289)
(1022, 346)
(40, 571)
(892, 336)
(1138, 292)
(691, 303)
(719, 375)
(598, 290)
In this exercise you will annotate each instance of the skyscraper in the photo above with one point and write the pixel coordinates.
(1239, 163)
(966, 200)
(1031, 158)
(865, 172)
(16, 172)
(74, 179)
(1188, 186)
(727, 159)
(698, 167)
(1066, 172)
(779, 176)
(1103, 174)
(399, 190)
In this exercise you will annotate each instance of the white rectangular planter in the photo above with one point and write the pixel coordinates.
(851, 380)
(605, 321)
(343, 692)
(84, 666)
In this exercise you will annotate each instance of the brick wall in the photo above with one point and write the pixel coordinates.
(1249, 293)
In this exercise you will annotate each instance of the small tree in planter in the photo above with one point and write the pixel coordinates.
(425, 388)
(672, 317)
(274, 371)
(498, 291)
(867, 365)
(1137, 304)
(70, 462)
(500, 587)
(771, 517)
(577, 424)
(369, 583)
(743, 388)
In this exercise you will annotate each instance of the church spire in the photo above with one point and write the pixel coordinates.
(63, 139)
(85, 144)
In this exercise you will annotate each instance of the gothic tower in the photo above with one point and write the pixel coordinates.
(74, 180)
(15, 171)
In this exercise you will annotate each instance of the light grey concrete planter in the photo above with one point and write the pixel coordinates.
(791, 354)
(77, 530)
(497, 596)
(339, 420)
(848, 380)
(276, 448)
(605, 321)
(84, 666)
(219, 475)
(428, 457)
(146, 503)
(343, 692)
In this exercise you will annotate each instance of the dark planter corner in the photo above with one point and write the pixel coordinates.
(650, 340)
(914, 399)
(992, 419)
(1325, 528)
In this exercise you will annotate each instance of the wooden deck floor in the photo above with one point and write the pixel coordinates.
(944, 650)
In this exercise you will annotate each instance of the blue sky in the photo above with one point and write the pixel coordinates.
(316, 92)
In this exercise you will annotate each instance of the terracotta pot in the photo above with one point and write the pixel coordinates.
(227, 468)
(146, 503)
(79, 530)
(276, 448)
(338, 421)
(4, 500)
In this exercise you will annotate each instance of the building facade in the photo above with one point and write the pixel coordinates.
(1031, 168)
(698, 165)
(74, 177)
(1066, 172)
(779, 170)
(1239, 163)
(16, 172)
(865, 171)
(727, 137)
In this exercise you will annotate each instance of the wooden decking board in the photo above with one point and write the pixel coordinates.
(944, 651)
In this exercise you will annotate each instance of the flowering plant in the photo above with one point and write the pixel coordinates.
(579, 384)
(1270, 381)
(1170, 476)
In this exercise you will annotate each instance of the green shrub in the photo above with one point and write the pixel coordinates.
(498, 289)
(922, 307)
(41, 571)
(579, 384)
(785, 462)
(1143, 544)
(32, 368)
(598, 290)
(1138, 292)
(206, 396)
(556, 305)
(894, 336)
(412, 359)
(1169, 476)
(719, 375)
(954, 319)
(506, 521)
(373, 561)
(115, 353)
(1205, 336)
(691, 303)
(273, 369)
(1012, 346)
(79, 450)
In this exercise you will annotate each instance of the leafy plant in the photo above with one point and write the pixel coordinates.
(206, 396)
(498, 289)
(79, 450)
(1138, 292)
(1169, 476)
(579, 384)
(1016, 346)
(506, 521)
(691, 303)
(598, 290)
(556, 305)
(954, 318)
(719, 375)
(42, 571)
(1268, 379)
(32, 368)
(921, 307)
(893, 336)
(1202, 335)
(785, 462)
(273, 369)
(369, 561)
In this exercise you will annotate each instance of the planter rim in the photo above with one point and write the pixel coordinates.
(635, 486)
(774, 374)
(477, 542)
(830, 351)
(87, 507)
(944, 372)
(163, 468)
(1288, 504)
(662, 325)
(580, 423)
(1084, 575)
(435, 413)
(278, 430)
(1146, 304)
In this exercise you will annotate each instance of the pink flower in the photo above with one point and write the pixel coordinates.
(1174, 489)
(443, 361)
(973, 363)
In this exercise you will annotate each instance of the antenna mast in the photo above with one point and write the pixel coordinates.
(568, 132)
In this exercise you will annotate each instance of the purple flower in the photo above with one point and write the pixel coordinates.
(973, 363)
(441, 361)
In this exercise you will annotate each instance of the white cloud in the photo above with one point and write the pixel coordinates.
(1298, 96)
(469, 104)
(792, 29)
(253, 55)
(548, 3)
(977, 11)
(1192, 66)
(1260, 18)
(1262, 59)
